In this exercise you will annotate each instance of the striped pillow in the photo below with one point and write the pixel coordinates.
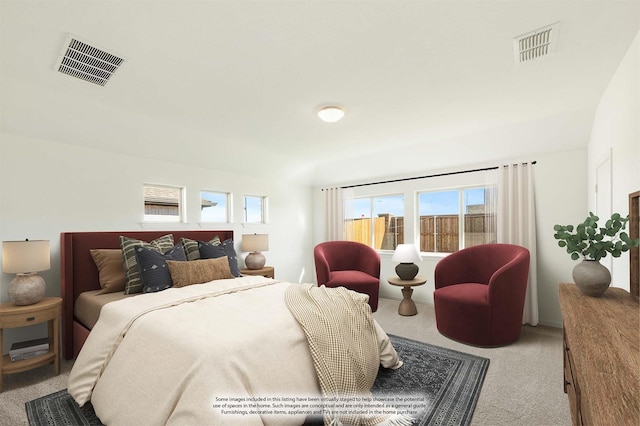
(131, 269)
(191, 247)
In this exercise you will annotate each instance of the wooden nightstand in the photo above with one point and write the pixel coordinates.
(12, 316)
(267, 271)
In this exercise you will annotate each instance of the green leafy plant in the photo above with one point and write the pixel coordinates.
(593, 242)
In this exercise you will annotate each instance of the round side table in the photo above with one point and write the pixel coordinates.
(407, 306)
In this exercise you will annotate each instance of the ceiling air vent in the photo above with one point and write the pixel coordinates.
(81, 60)
(536, 44)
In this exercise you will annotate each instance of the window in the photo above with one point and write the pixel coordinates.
(214, 206)
(375, 221)
(454, 219)
(255, 209)
(163, 203)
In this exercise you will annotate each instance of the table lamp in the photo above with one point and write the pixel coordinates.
(25, 258)
(406, 254)
(255, 243)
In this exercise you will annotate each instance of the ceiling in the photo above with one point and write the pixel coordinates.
(234, 85)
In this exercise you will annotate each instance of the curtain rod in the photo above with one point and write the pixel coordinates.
(428, 176)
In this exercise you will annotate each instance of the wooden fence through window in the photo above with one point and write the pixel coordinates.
(437, 233)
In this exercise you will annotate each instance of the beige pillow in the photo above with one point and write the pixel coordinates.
(110, 269)
(198, 271)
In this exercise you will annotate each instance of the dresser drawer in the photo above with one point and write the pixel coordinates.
(572, 388)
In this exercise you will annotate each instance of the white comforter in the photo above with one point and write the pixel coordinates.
(170, 357)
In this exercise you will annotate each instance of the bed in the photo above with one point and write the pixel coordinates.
(212, 353)
(79, 272)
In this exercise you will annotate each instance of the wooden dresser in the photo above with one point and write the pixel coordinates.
(601, 356)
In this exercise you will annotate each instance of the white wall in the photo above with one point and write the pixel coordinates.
(560, 194)
(616, 135)
(49, 187)
(561, 198)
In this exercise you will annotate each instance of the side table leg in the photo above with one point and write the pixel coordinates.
(407, 306)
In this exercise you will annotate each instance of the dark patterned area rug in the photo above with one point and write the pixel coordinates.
(448, 381)
(60, 409)
(441, 385)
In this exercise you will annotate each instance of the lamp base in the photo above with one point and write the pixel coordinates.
(255, 260)
(407, 271)
(26, 289)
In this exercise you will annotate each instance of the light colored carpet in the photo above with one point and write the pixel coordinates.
(22, 387)
(523, 385)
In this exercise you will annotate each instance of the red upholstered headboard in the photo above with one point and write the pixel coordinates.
(79, 272)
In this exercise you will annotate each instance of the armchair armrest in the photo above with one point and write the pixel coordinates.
(509, 283)
(369, 261)
(323, 272)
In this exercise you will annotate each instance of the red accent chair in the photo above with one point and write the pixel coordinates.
(351, 265)
(480, 292)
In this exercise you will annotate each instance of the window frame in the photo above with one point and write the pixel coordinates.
(228, 209)
(411, 186)
(462, 242)
(181, 217)
(372, 198)
(264, 203)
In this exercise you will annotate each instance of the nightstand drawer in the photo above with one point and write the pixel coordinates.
(27, 318)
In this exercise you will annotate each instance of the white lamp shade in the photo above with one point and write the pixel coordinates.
(406, 253)
(255, 242)
(21, 257)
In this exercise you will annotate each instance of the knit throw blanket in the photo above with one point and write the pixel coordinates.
(344, 347)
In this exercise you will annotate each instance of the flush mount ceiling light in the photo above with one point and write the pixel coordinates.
(330, 114)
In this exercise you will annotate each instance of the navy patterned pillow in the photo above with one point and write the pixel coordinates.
(211, 251)
(191, 247)
(230, 251)
(154, 272)
(131, 269)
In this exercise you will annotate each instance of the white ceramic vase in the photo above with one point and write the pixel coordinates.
(591, 277)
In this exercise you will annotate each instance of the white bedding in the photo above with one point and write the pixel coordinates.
(144, 363)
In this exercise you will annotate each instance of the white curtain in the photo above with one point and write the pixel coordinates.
(517, 224)
(334, 214)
